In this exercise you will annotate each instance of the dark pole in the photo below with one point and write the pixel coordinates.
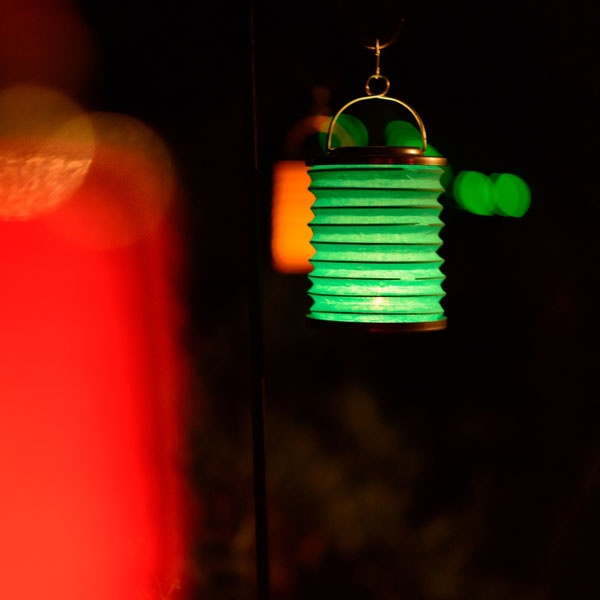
(256, 325)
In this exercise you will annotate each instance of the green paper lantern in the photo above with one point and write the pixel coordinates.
(376, 235)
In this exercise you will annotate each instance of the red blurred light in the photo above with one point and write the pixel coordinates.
(92, 381)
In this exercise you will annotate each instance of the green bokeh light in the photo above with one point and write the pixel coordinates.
(348, 131)
(512, 196)
(473, 191)
(403, 133)
(502, 194)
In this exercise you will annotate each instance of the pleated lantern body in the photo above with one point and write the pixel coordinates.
(376, 234)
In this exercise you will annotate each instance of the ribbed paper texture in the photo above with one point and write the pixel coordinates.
(376, 234)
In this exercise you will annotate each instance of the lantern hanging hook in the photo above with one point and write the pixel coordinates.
(377, 75)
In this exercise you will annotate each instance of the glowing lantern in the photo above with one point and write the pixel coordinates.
(290, 237)
(291, 200)
(376, 235)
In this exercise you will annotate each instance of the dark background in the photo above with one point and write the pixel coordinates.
(462, 464)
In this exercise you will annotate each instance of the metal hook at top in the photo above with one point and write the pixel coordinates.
(377, 47)
(377, 74)
(377, 57)
(390, 40)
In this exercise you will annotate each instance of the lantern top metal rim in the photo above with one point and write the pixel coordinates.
(378, 155)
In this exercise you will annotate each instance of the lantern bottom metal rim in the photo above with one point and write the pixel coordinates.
(363, 327)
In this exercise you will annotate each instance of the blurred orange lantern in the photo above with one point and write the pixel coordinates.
(290, 237)
(291, 200)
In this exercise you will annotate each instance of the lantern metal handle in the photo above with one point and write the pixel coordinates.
(412, 111)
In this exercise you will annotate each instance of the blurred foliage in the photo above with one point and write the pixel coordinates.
(343, 513)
